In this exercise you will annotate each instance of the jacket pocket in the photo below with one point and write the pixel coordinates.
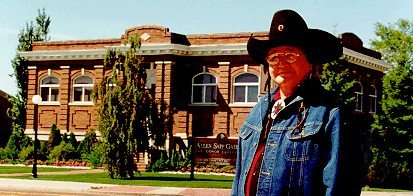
(301, 145)
(309, 129)
(245, 132)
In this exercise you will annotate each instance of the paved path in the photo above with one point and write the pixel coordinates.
(45, 187)
(79, 171)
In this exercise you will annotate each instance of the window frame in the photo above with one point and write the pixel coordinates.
(204, 85)
(371, 98)
(245, 85)
(83, 86)
(49, 87)
(359, 94)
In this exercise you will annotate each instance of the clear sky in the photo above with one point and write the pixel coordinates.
(97, 19)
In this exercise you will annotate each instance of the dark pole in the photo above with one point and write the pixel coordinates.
(192, 146)
(34, 170)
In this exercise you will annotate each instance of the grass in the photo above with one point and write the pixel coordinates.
(145, 179)
(383, 189)
(23, 169)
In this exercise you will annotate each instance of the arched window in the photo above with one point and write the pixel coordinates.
(82, 89)
(49, 89)
(246, 87)
(373, 99)
(204, 88)
(358, 90)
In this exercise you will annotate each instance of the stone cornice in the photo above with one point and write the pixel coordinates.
(365, 61)
(182, 50)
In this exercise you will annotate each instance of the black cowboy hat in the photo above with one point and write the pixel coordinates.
(288, 28)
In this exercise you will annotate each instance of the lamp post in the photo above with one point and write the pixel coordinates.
(36, 100)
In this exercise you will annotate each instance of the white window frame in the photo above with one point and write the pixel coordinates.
(373, 96)
(204, 89)
(49, 87)
(245, 85)
(83, 86)
(359, 94)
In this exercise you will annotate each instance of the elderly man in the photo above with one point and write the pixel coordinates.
(290, 142)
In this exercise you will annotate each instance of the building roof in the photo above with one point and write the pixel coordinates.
(158, 40)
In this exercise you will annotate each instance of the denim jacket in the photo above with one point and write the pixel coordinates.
(304, 162)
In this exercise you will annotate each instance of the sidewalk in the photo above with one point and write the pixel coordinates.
(20, 186)
(10, 186)
(45, 187)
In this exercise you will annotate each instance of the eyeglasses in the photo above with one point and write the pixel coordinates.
(275, 58)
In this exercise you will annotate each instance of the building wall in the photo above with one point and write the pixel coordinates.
(173, 81)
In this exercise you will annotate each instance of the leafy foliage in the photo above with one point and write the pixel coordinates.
(16, 143)
(336, 79)
(392, 142)
(17, 113)
(64, 151)
(174, 162)
(127, 111)
(54, 138)
(86, 145)
(64, 138)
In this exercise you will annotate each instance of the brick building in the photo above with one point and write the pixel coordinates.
(209, 80)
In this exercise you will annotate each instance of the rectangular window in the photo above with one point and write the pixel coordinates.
(88, 94)
(77, 94)
(197, 94)
(44, 92)
(252, 94)
(239, 92)
(54, 94)
(210, 94)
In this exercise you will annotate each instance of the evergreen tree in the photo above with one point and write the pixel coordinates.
(336, 79)
(64, 138)
(72, 139)
(55, 138)
(392, 147)
(17, 113)
(125, 108)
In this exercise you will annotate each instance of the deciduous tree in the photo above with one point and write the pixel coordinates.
(127, 111)
(392, 148)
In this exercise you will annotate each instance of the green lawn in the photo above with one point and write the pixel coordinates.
(146, 179)
(383, 190)
(22, 169)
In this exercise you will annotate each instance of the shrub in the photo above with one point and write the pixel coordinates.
(26, 153)
(85, 146)
(64, 151)
(72, 139)
(3, 154)
(96, 157)
(16, 142)
(43, 151)
(174, 162)
(64, 138)
(54, 138)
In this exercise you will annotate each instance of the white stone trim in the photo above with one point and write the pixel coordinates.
(204, 104)
(242, 105)
(31, 67)
(43, 134)
(49, 103)
(98, 66)
(64, 67)
(365, 61)
(224, 63)
(81, 103)
(182, 50)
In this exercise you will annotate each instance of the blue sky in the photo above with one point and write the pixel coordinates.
(97, 19)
